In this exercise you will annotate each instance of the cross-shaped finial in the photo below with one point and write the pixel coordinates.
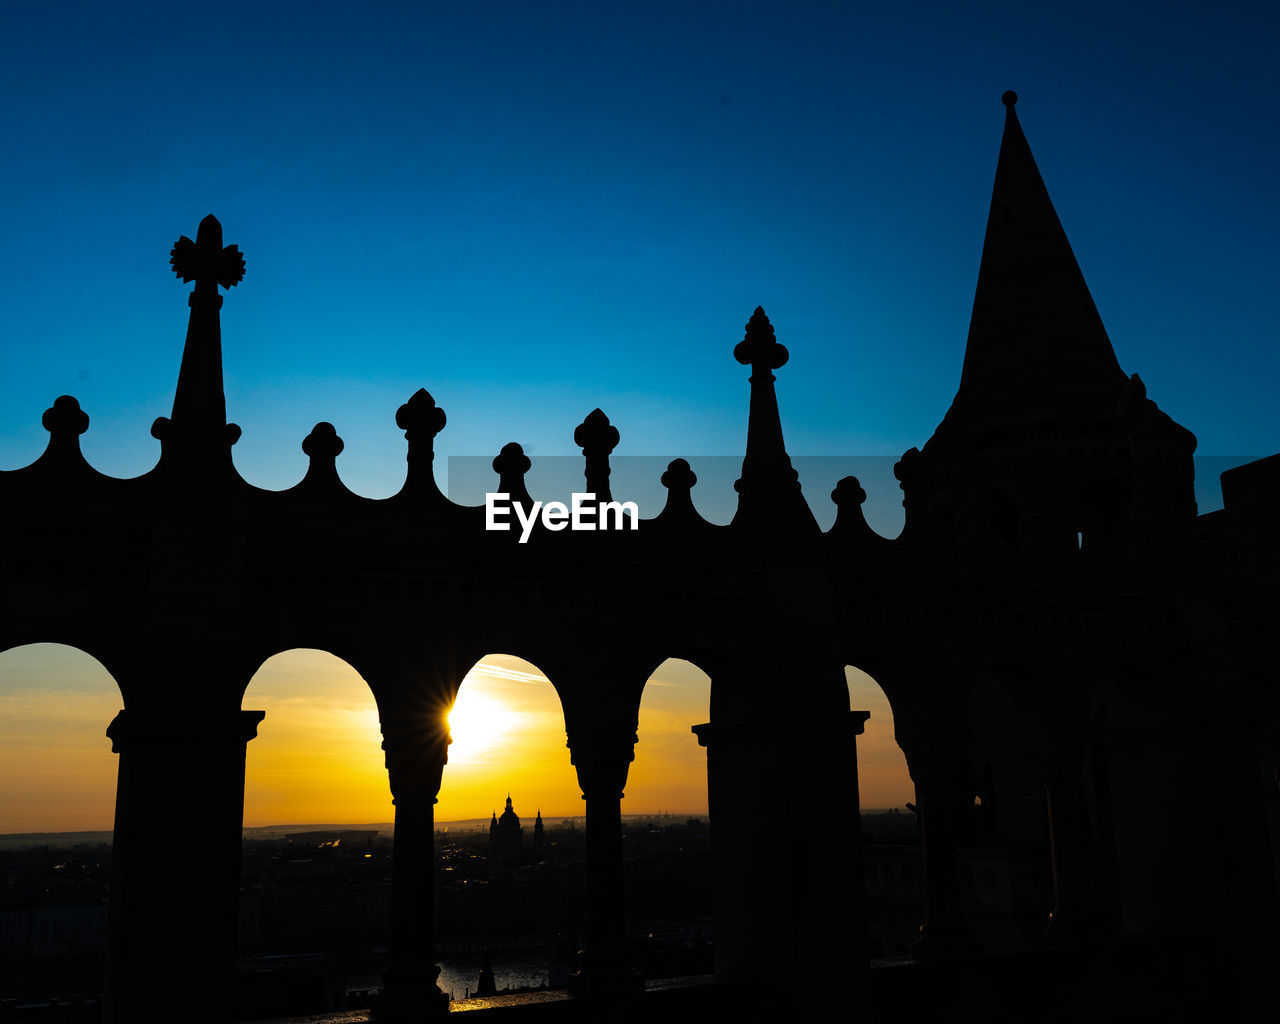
(758, 348)
(205, 261)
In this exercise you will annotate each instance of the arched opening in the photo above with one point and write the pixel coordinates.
(57, 805)
(666, 834)
(509, 835)
(317, 758)
(315, 896)
(884, 781)
(890, 827)
(507, 727)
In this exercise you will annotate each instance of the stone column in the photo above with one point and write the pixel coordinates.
(777, 890)
(944, 802)
(415, 764)
(175, 865)
(602, 763)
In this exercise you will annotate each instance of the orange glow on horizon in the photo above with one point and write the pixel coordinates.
(883, 778)
(318, 756)
(58, 771)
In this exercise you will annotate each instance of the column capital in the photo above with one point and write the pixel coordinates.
(602, 762)
(788, 727)
(130, 727)
(415, 760)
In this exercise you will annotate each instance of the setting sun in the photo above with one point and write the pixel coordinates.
(477, 723)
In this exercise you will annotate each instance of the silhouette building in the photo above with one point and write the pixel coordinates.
(506, 836)
(1060, 635)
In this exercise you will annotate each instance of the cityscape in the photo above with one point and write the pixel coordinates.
(314, 913)
(314, 908)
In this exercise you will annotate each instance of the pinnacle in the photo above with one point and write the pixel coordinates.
(1037, 350)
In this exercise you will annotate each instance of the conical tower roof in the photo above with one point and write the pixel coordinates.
(1037, 351)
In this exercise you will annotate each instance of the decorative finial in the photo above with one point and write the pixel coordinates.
(597, 438)
(322, 447)
(420, 418)
(322, 443)
(679, 476)
(511, 464)
(65, 420)
(206, 261)
(595, 433)
(759, 349)
(679, 513)
(1009, 99)
(848, 491)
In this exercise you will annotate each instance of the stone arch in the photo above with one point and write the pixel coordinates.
(56, 701)
(100, 647)
(884, 777)
(890, 827)
(667, 786)
(507, 722)
(507, 759)
(317, 756)
(317, 813)
(670, 765)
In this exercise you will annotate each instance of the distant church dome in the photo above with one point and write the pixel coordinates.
(509, 818)
(506, 836)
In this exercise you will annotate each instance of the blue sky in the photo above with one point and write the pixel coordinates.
(535, 209)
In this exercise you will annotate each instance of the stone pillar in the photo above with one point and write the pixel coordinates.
(778, 890)
(175, 865)
(415, 764)
(602, 763)
(944, 802)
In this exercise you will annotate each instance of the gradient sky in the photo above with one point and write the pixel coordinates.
(535, 209)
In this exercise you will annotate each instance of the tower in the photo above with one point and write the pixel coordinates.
(1048, 447)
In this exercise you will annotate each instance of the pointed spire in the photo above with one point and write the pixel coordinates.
(769, 488)
(198, 424)
(1037, 350)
